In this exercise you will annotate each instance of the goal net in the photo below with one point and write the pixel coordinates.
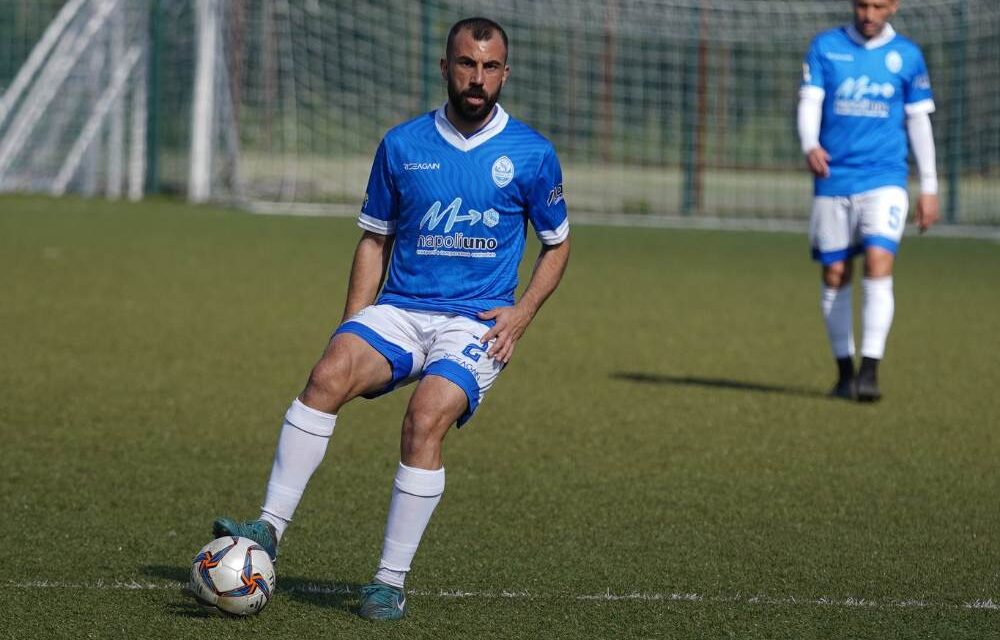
(657, 107)
(73, 113)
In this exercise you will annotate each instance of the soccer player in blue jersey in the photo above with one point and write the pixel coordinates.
(444, 221)
(865, 92)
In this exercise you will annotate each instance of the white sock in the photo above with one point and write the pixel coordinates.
(415, 493)
(301, 446)
(839, 318)
(877, 310)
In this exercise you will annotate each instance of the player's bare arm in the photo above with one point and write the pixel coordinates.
(511, 322)
(371, 259)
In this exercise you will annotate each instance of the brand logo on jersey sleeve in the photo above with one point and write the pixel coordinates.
(894, 62)
(556, 195)
(503, 171)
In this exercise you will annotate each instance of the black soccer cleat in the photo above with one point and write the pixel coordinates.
(867, 381)
(845, 387)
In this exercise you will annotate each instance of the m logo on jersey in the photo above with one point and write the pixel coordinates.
(447, 243)
(421, 166)
(435, 215)
(503, 171)
(863, 88)
(863, 98)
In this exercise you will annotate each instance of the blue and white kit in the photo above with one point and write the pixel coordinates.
(868, 89)
(458, 207)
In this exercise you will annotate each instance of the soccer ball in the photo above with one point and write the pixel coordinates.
(233, 574)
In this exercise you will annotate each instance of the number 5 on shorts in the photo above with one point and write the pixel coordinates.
(895, 213)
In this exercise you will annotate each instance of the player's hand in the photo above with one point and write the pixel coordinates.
(510, 325)
(819, 162)
(928, 211)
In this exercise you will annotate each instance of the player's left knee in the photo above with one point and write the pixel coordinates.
(878, 263)
(422, 428)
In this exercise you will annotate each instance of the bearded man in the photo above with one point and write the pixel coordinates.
(444, 222)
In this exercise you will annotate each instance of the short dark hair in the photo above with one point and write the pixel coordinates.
(481, 28)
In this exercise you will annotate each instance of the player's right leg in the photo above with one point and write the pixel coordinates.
(834, 244)
(456, 378)
(349, 367)
(435, 406)
(883, 217)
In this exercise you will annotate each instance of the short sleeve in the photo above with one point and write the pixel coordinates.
(546, 204)
(918, 97)
(380, 208)
(812, 70)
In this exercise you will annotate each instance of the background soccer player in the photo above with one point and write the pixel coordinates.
(444, 221)
(865, 90)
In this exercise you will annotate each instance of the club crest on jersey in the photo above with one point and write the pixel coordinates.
(503, 171)
(894, 62)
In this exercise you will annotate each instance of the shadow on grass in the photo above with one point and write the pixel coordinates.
(320, 593)
(715, 383)
(189, 607)
(328, 594)
(165, 572)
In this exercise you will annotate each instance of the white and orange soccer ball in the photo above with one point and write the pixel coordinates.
(234, 574)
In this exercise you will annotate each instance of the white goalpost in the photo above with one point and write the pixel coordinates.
(62, 119)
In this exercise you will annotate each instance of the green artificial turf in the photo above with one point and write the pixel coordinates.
(659, 460)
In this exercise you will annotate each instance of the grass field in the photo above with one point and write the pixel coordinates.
(659, 461)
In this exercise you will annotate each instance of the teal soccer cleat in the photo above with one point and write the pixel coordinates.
(382, 602)
(257, 530)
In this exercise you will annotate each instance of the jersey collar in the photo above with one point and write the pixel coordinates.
(888, 33)
(455, 138)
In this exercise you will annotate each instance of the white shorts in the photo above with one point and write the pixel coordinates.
(844, 226)
(418, 343)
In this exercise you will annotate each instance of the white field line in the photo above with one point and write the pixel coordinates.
(524, 594)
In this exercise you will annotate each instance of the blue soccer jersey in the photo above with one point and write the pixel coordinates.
(868, 88)
(458, 207)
